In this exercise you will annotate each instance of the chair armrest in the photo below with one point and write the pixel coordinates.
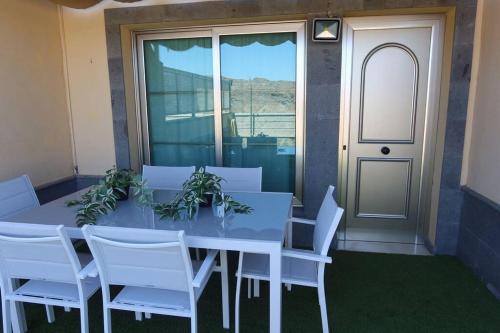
(206, 269)
(302, 221)
(306, 255)
(89, 271)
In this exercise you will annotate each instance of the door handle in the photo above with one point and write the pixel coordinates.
(385, 150)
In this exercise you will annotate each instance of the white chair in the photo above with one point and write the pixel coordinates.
(238, 179)
(16, 196)
(167, 178)
(43, 255)
(164, 177)
(153, 266)
(299, 267)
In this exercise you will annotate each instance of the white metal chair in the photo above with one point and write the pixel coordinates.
(167, 178)
(16, 196)
(164, 177)
(43, 255)
(299, 267)
(153, 266)
(238, 179)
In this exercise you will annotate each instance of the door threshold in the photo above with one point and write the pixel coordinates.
(383, 247)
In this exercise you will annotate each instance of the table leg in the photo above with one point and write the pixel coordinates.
(275, 290)
(225, 289)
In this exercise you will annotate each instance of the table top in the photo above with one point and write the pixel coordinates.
(267, 221)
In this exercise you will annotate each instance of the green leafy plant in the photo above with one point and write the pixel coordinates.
(201, 188)
(231, 205)
(103, 198)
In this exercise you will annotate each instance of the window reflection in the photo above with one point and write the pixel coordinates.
(258, 85)
(179, 87)
(259, 114)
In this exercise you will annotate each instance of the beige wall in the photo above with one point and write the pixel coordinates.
(88, 84)
(34, 126)
(481, 169)
(87, 67)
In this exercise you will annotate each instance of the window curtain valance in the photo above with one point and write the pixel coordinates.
(268, 39)
(82, 4)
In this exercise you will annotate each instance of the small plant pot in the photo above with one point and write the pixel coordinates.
(208, 198)
(120, 196)
(218, 211)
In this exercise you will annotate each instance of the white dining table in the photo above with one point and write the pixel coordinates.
(261, 231)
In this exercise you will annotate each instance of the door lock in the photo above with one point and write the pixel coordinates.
(385, 150)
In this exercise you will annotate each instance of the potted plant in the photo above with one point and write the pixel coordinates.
(203, 186)
(201, 189)
(120, 181)
(104, 197)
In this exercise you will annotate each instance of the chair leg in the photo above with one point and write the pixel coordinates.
(19, 307)
(138, 316)
(49, 309)
(289, 242)
(194, 322)
(7, 325)
(84, 317)
(238, 292)
(249, 286)
(18, 320)
(322, 305)
(17, 317)
(197, 254)
(256, 288)
(107, 320)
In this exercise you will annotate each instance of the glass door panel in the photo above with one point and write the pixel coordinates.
(179, 96)
(258, 85)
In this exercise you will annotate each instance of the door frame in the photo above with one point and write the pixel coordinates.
(432, 154)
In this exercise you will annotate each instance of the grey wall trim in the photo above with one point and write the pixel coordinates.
(479, 196)
(451, 195)
(322, 88)
(478, 245)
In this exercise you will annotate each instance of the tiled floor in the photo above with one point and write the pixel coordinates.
(382, 247)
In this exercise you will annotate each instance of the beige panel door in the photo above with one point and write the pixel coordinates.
(389, 81)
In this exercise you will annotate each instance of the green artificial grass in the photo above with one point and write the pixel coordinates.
(365, 293)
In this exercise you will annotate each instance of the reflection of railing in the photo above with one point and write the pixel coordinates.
(242, 124)
(273, 124)
(181, 116)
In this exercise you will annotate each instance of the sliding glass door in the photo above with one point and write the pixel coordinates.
(229, 96)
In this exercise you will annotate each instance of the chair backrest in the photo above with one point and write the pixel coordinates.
(164, 177)
(39, 252)
(327, 221)
(140, 257)
(16, 196)
(238, 179)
